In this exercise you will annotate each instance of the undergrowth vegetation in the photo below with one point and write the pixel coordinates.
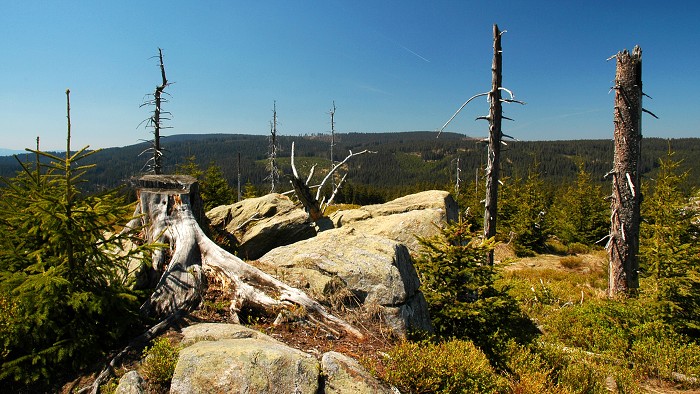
(585, 342)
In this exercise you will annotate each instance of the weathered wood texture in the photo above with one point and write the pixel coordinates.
(495, 136)
(623, 244)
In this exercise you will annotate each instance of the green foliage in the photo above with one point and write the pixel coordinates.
(542, 368)
(581, 214)
(454, 366)
(458, 285)
(213, 187)
(64, 269)
(524, 214)
(160, 359)
(658, 351)
(669, 249)
(250, 191)
(599, 326)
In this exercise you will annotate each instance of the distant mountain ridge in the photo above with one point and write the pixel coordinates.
(404, 162)
(10, 152)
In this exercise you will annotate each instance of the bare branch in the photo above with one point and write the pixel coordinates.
(460, 109)
(335, 191)
(335, 168)
(650, 113)
(294, 168)
(311, 174)
(512, 96)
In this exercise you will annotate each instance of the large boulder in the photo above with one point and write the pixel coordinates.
(261, 224)
(403, 219)
(376, 271)
(438, 200)
(244, 365)
(230, 358)
(344, 375)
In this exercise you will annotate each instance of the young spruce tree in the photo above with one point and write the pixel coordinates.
(458, 284)
(669, 250)
(64, 264)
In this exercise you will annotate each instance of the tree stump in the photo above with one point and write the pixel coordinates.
(168, 209)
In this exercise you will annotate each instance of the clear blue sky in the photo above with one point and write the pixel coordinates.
(389, 66)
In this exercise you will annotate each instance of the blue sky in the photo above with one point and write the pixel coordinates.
(389, 65)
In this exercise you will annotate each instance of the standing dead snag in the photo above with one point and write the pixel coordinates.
(274, 171)
(623, 242)
(156, 120)
(496, 135)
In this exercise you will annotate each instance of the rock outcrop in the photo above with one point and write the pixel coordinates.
(228, 358)
(261, 224)
(375, 270)
(130, 383)
(402, 219)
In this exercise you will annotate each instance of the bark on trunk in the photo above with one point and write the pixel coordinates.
(495, 135)
(623, 245)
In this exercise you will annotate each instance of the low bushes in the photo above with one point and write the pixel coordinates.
(454, 366)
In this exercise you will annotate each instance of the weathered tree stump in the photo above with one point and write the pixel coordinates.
(168, 209)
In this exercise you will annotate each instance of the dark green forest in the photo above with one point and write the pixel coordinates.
(404, 162)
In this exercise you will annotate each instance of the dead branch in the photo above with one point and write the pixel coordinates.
(460, 109)
(303, 190)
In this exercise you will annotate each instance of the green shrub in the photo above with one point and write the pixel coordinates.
(158, 366)
(669, 249)
(458, 284)
(555, 246)
(455, 366)
(599, 326)
(550, 368)
(571, 262)
(658, 351)
(65, 296)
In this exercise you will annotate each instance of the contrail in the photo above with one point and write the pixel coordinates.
(414, 53)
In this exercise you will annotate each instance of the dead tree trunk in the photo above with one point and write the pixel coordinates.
(157, 113)
(623, 244)
(156, 119)
(495, 136)
(274, 172)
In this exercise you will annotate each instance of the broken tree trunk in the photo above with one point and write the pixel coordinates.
(495, 136)
(623, 244)
(169, 206)
(314, 205)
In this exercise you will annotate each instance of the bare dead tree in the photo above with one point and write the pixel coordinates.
(314, 204)
(272, 151)
(458, 178)
(496, 135)
(626, 198)
(239, 177)
(155, 121)
(332, 113)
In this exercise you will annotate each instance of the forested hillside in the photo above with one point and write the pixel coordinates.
(404, 162)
